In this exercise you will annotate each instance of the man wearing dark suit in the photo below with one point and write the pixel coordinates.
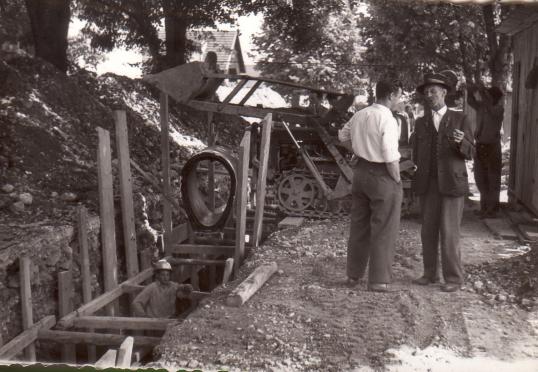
(443, 141)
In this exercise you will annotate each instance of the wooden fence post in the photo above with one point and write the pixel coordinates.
(241, 199)
(126, 189)
(106, 213)
(165, 168)
(262, 179)
(26, 302)
(85, 268)
(65, 306)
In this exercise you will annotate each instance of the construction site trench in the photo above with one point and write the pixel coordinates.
(303, 318)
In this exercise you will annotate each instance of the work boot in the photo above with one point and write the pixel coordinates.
(380, 287)
(424, 280)
(451, 287)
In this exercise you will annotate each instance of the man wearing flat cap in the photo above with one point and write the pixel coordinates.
(443, 141)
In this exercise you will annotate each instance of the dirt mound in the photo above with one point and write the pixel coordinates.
(49, 141)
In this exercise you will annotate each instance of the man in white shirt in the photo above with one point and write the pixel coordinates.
(372, 135)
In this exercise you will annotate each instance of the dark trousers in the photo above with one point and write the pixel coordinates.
(441, 218)
(487, 172)
(375, 222)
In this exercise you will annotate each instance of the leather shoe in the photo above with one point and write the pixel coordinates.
(451, 287)
(424, 280)
(379, 287)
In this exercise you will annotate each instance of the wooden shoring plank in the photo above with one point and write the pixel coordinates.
(65, 306)
(203, 249)
(125, 352)
(82, 217)
(126, 192)
(121, 322)
(250, 92)
(107, 360)
(106, 214)
(211, 165)
(267, 124)
(17, 344)
(93, 338)
(251, 284)
(195, 280)
(104, 299)
(195, 261)
(26, 303)
(228, 268)
(241, 200)
(235, 90)
(165, 168)
(131, 288)
(179, 234)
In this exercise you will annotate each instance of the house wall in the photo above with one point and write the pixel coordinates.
(524, 152)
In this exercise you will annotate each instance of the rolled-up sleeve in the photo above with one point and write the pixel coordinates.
(389, 141)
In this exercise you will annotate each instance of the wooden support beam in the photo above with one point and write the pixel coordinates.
(103, 300)
(108, 360)
(69, 337)
(262, 179)
(17, 344)
(235, 90)
(179, 234)
(211, 164)
(203, 249)
(106, 214)
(250, 92)
(125, 352)
(85, 268)
(120, 322)
(65, 306)
(126, 192)
(26, 303)
(251, 284)
(241, 199)
(228, 268)
(165, 168)
(195, 261)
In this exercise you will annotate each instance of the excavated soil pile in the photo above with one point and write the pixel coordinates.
(48, 155)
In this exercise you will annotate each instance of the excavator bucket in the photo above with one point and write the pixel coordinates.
(185, 82)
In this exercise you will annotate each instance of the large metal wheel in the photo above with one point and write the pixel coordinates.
(296, 192)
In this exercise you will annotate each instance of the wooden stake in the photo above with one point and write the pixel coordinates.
(165, 167)
(106, 211)
(262, 178)
(17, 344)
(251, 284)
(126, 190)
(108, 360)
(85, 268)
(228, 268)
(65, 306)
(67, 337)
(26, 302)
(241, 200)
(123, 358)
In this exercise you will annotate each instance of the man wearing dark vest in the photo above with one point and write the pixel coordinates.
(443, 141)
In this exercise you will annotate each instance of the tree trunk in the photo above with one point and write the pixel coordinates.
(50, 22)
(499, 49)
(175, 27)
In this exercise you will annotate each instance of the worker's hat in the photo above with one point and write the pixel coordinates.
(442, 79)
(162, 265)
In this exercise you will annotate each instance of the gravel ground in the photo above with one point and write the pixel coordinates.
(305, 318)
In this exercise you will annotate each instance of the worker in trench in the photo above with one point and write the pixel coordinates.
(158, 300)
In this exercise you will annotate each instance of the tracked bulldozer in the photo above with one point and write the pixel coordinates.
(309, 173)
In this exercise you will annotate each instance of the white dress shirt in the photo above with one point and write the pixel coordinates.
(438, 116)
(373, 132)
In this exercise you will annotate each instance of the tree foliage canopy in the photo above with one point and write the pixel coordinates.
(136, 24)
(311, 42)
(411, 38)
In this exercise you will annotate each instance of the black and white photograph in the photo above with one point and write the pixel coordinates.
(269, 185)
